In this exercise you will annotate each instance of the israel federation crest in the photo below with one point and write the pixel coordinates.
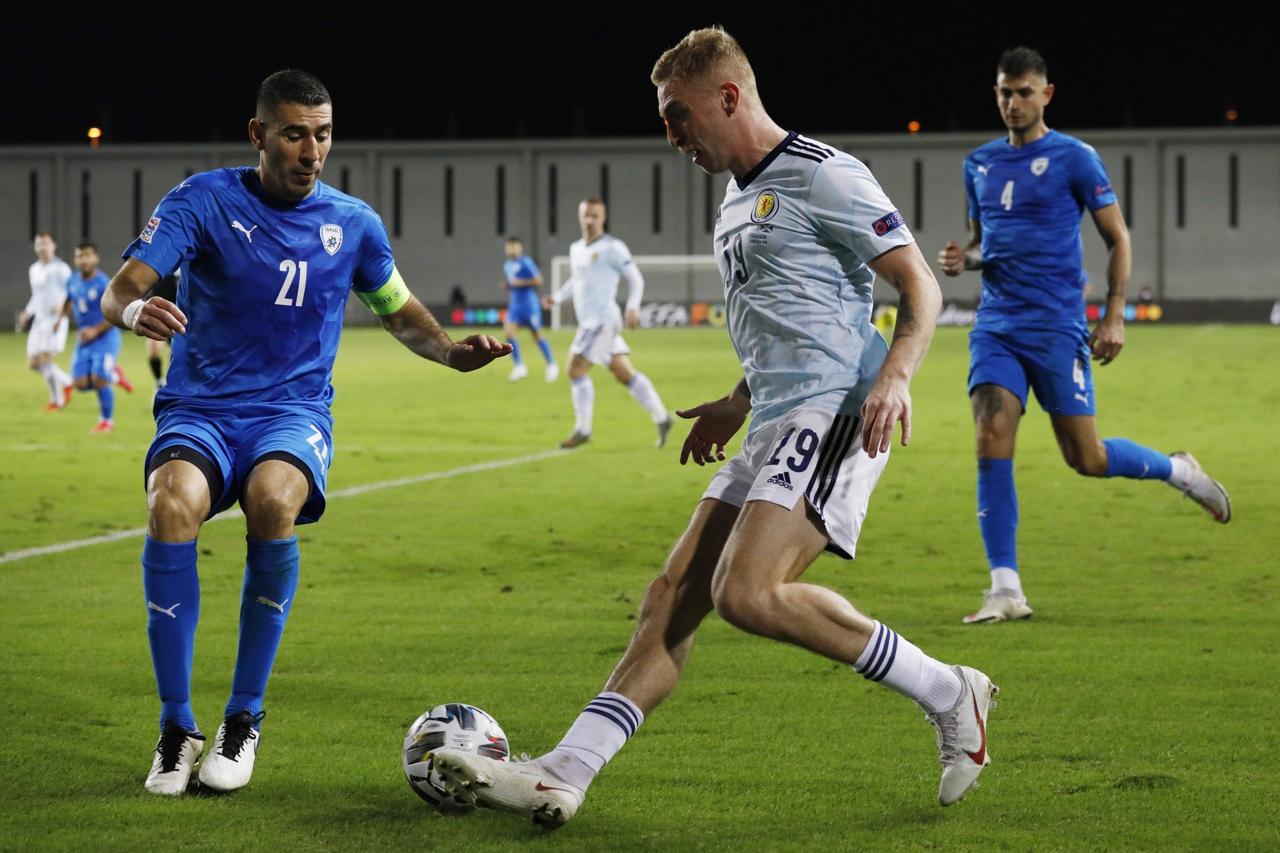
(1038, 166)
(766, 206)
(331, 238)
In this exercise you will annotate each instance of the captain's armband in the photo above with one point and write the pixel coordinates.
(389, 298)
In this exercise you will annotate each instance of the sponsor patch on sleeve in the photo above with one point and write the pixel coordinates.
(147, 233)
(887, 223)
(1102, 189)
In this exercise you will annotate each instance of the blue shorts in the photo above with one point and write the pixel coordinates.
(1053, 362)
(236, 438)
(525, 311)
(97, 358)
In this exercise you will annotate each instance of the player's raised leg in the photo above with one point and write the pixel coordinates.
(997, 412)
(550, 788)
(641, 388)
(273, 497)
(178, 501)
(1092, 456)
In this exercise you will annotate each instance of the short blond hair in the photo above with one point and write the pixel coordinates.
(701, 52)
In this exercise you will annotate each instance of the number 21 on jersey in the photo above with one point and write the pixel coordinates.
(292, 269)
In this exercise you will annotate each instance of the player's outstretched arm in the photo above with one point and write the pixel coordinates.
(415, 327)
(1108, 336)
(716, 423)
(919, 301)
(953, 260)
(123, 305)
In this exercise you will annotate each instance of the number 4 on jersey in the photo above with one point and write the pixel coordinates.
(291, 269)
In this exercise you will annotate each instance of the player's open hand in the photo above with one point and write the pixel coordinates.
(888, 403)
(716, 423)
(951, 258)
(475, 351)
(632, 318)
(159, 320)
(1107, 339)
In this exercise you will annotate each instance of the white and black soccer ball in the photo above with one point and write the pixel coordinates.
(455, 726)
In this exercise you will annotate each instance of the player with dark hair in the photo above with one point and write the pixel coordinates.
(1026, 194)
(268, 255)
(93, 365)
(521, 278)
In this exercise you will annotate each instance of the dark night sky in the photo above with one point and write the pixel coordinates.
(151, 73)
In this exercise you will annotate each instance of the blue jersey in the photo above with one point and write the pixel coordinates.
(1029, 201)
(86, 297)
(522, 267)
(264, 284)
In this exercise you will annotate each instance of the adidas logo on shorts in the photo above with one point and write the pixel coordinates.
(783, 479)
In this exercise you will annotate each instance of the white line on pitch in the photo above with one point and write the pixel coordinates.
(348, 492)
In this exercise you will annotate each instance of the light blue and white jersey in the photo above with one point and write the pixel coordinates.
(596, 267)
(792, 241)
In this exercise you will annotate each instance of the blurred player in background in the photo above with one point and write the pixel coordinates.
(597, 261)
(268, 257)
(44, 320)
(522, 278)
(803, 232)
(93, 365)
(1026, 195)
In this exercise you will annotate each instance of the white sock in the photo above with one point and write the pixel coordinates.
(1180, 473)
(584, 399)
(646, 395)
(902, 667)
(64, 379)
(593, 739)
(51, 380)
(1007, 580)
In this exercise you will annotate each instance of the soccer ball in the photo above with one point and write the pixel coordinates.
(455, 726)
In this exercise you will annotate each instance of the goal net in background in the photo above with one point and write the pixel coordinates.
(679, 290)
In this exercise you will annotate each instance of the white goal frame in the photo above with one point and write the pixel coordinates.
(560, 272)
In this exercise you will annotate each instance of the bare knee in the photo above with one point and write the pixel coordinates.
(996, 413)
(1089, 460)
(176, 507)
(743, 606)
(272, 499)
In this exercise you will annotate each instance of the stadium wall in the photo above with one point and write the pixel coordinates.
(1203, 205)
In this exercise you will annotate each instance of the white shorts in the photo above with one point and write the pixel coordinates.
(598, 345)
(48, 334)
(809, 453)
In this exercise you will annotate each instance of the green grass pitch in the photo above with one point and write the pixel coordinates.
(1139, 706)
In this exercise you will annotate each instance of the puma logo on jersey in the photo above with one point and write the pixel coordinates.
(262, 599)
(982, 170)
(235, 223)
(151, 605)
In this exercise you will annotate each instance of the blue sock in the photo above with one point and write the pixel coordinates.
(998, 512)
(172, 589)
(515, 350)
(1127, 459)
(107, 402)
(270, 580)
(546, 350)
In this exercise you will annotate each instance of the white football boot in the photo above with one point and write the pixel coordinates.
(962, 735)
(518, 372)
(523, 787)
(229, 764)
(175, 758)
(1205, 490)
(999, 606)
(553, 372)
